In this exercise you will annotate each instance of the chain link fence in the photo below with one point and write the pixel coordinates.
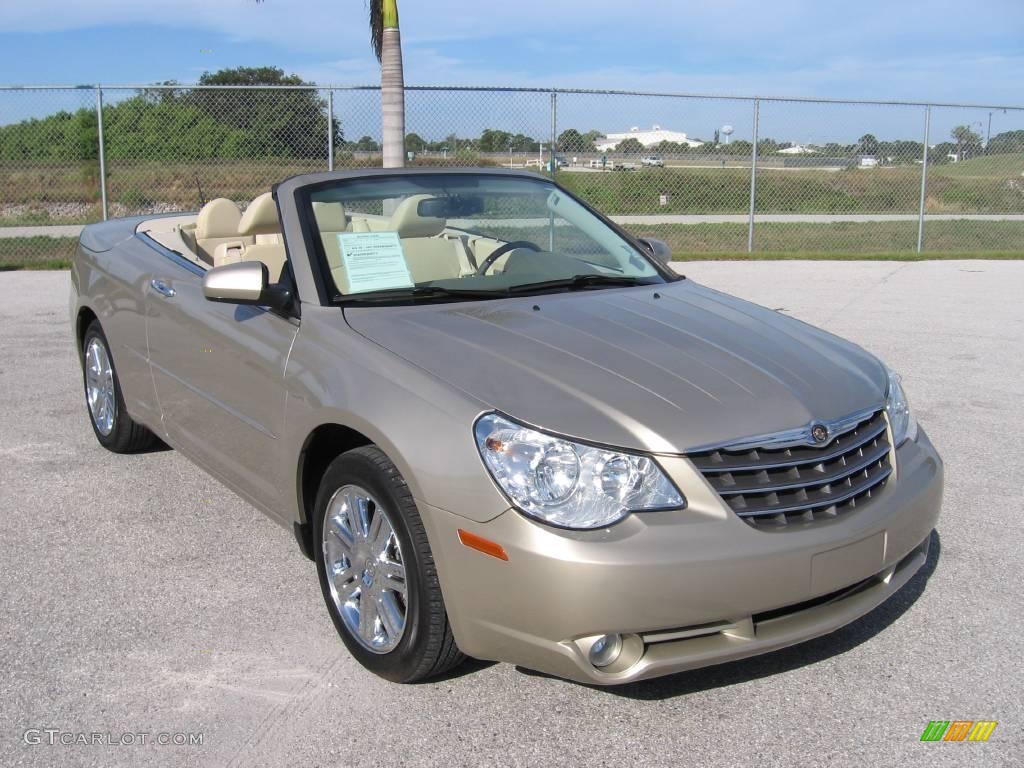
(711, 175)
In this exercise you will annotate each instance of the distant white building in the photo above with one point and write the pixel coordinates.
(797, 149)
(650, 138)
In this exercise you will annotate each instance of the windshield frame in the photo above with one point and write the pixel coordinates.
(321, 269)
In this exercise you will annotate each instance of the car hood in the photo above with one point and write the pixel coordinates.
(664, 368)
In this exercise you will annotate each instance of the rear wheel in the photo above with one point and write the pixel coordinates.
(114, 428)
(377, 572)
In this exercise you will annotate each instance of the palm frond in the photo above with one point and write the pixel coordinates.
(377, 27)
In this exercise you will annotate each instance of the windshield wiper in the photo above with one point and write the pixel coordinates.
(577, 283)
(580, 282)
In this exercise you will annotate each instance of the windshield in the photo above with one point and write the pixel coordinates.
(468, 235)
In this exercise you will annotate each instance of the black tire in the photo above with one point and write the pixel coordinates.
(126, 435)
(427, 647)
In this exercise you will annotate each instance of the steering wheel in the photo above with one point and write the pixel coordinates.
(501, 250)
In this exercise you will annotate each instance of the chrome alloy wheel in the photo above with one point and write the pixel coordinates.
(365, 570)
(99, 386)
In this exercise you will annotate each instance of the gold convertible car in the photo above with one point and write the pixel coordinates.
(505, 428)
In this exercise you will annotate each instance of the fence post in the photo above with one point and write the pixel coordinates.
(924, 177)
(554, 132)
(753, 178)
(330, 130)
(103, 158)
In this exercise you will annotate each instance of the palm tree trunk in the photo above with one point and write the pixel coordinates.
(392, 87)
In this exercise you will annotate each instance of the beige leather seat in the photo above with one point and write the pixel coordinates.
(332, 220)
(368, 224)
(261, 218)
(428, 253)
(330, 217)
(217, 223)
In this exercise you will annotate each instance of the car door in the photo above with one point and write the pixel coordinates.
(218, 371)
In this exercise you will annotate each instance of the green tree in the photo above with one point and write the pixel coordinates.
(571, 140)
(365, 144)
(737, 148)
(523, 143)
(494, 141)
(671, 147)
(415, 143)
(967, 142)
(867, 145)
(1009, 141)
(280, 123)
(939, 154)
(630, 146)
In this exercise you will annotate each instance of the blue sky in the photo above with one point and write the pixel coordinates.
(872, 49)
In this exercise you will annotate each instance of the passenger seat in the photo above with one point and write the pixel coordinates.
(259, 219)
(217, 223)
(331, 220)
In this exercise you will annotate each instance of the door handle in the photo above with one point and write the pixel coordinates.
(162, 288)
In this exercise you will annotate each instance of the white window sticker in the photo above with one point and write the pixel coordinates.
(374, 261)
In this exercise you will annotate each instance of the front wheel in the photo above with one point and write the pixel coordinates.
(114, 428)
(377, 572)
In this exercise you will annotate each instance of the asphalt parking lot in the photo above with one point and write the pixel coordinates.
(138, 595)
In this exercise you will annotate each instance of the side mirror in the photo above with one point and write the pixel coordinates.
(246, 282)
(659, 249)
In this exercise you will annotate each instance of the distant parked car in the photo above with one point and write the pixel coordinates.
(653, 161)
(622, 165)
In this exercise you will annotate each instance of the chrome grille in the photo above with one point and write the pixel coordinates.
(769, 486)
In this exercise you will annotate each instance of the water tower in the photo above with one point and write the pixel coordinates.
(727, 132)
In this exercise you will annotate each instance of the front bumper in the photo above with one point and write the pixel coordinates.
(695, 587)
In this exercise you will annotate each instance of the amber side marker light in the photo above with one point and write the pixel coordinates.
(480, 544)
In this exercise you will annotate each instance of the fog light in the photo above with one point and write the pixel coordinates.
(605, 650)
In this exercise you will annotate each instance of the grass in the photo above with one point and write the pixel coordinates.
(864, 238)
(854, 190)
(846, 241)
(983, 185)
(990, 167)
(36, 252)
(36, 266)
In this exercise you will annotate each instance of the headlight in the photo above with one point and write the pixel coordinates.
(902, 421)
(568, 484)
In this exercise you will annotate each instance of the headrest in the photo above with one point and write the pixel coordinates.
(260, 218)
(218, 218)
(407, 222)
(330, 217)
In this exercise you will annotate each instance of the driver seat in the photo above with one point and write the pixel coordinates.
(429, 254)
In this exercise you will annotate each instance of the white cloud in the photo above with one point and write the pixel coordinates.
(875, 48)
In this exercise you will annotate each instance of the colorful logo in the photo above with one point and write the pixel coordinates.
(958, 730)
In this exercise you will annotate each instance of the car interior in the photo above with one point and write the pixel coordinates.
(221, 233)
